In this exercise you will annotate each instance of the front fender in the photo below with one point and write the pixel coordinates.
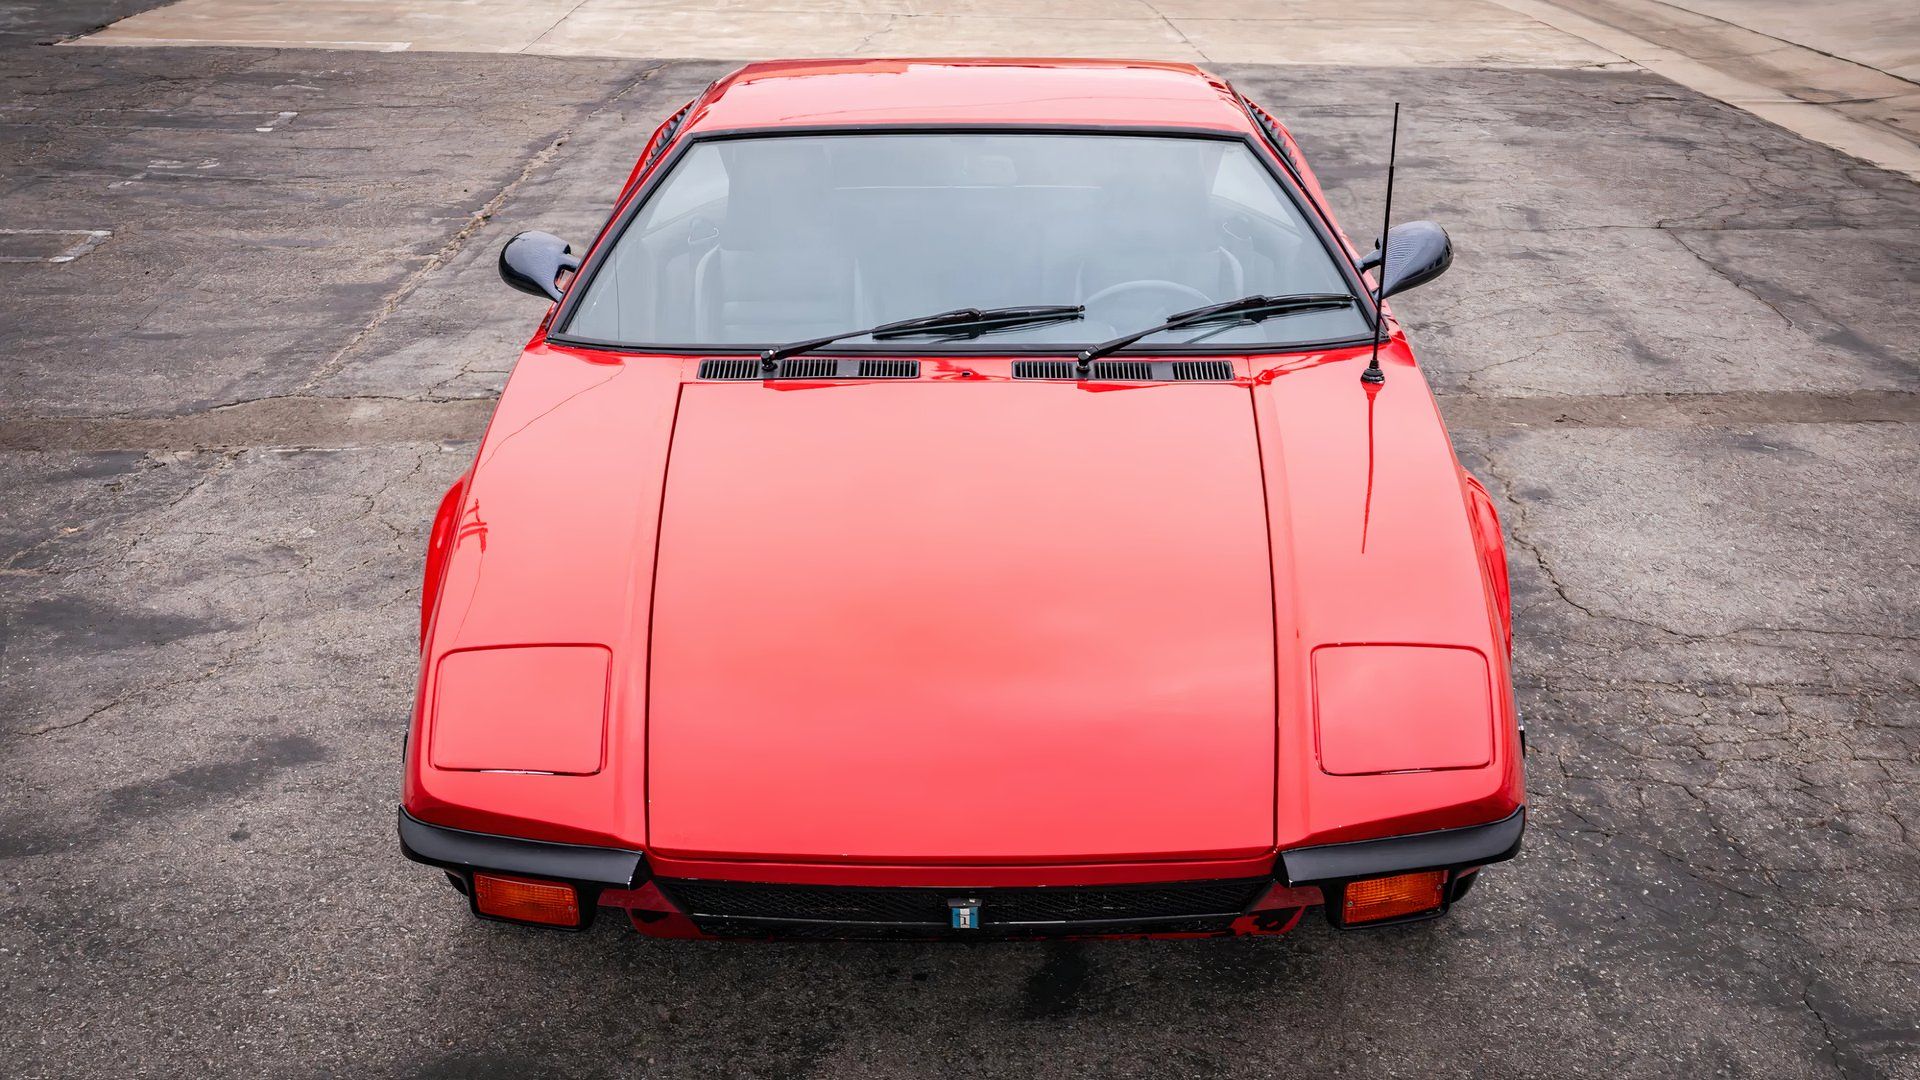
(439, 541)
(1485, 521)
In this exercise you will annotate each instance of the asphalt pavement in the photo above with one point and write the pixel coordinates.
(1677, 342)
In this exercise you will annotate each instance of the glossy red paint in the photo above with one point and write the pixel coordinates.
(1401, 708)
(520, 708)
(967, 631)
(949, 661)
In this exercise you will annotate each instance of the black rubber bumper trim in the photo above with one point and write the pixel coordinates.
(457, 849)
(1474, 845)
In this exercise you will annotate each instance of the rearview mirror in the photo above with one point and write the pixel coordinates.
(532, 262)
(1419, 252)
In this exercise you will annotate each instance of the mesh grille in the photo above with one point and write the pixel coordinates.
(779, 931)
(1082, 909)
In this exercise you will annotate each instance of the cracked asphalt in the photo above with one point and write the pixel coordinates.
(1677, 343)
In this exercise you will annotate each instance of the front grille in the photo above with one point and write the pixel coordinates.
(775, 930)
(731, 908)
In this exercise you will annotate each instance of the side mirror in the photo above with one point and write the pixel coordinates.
(532, 262)
(1420, 252)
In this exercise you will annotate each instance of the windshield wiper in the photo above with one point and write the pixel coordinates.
(1246, 309)
(969, 322)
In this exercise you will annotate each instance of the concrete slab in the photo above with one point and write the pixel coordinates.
(1871, 33)
(1313, 31)
(233, 249)
(1814, 91)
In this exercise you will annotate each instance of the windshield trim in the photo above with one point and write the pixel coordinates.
(1290, 187)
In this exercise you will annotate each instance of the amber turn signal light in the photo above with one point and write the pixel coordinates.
(1392, 897)
(547, 903)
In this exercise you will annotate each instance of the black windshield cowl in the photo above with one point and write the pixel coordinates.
(1245, 309)
(966, 322)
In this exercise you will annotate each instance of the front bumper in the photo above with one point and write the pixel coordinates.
(1302, 878)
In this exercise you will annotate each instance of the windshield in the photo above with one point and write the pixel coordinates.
(759, 241)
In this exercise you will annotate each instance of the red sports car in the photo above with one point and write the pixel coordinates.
(952, 499)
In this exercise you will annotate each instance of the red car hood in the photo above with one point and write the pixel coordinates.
(963, 622)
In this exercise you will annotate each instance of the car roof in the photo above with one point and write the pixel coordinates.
(847, 93)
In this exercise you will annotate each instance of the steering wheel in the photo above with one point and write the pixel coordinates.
(1151, 285)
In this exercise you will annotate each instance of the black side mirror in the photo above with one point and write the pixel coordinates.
(1417, 252)
(532, 261)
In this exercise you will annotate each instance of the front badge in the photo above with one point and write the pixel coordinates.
(965, 913)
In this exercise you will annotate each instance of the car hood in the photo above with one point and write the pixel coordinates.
(962, 622)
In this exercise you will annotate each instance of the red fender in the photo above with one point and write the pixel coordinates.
(1485, 522)
(438, 542)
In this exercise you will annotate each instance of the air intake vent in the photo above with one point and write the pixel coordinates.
(1203, 370)
(744, 367)
(1126, 370)
(1045, 369)
(809, 367)
(889, 369)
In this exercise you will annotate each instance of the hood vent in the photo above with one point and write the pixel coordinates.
(889, 369)
(1123, 370)
(809, 367)
(817, 367)
(744, 367)
(1044, 369)
(1128, 370)
(1203, 370)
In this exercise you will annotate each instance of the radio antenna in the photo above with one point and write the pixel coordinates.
(1373, 376)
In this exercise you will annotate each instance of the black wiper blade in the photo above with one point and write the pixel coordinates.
(968, 320)
(1246, 308)
(971, 321)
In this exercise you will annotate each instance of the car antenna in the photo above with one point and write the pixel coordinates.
(1373, 376)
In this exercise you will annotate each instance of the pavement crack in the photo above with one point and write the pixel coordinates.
(1832, 1037)
(1680, 238)
(474, 223)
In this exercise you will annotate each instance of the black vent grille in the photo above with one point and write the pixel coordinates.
(889, 369)
(808, 367)
(749, 909)
(1126, 370)
(667, 132)
(1203, 370)
(744, 367)
(1045, 369)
